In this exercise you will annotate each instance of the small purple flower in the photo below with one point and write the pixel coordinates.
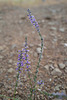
(17, 68)
(33, 20)
(19, 71)
(40, 82)
(27, 66)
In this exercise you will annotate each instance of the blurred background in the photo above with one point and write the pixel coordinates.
(26, 3)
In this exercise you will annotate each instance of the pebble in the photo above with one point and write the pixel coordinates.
(10, 61)
(33, 32)
(10, 70)
(66, 69)
(9, 91)
(43, 21)
(51, 23)
(13, 46)
(57, 72)
(50, 80)
(38, 50)
(65, 63)
(1, 84)
(53, 28)
(35, 54)
(57, 88)
(65, 44)
(53, 11)
(61, 66)
(61, 29)
(46, 67)
(31, 45)
(1, 57)
(39, 45)
(51, 67)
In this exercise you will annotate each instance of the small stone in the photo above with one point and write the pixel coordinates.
(51, 23)
(31, 45)
(61, 66)
(61, 29)
(10, 61)
(65, 44)
(66, 69)
(53, 10)
(1, 84)
(13, 46)
(57, 88)
(57, 72)
(43, 21)
(1, 57)
(39, 45)
(53, 28)
(9, 91)
(51, 67)
(46, 67)
(33, 32)
(38, 50)
(55, 65)
(65, 63)
(10, 70)
(35, 54)
(50, 79)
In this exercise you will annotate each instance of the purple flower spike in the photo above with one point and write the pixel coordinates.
(23, 58)
(33, 20)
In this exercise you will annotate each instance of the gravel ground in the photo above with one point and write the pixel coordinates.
(14, 26)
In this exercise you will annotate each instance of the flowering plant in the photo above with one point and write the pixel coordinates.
(23, 61)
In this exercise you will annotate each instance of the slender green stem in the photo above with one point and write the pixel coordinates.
(28, 73)
(38, 65)
(18, 75)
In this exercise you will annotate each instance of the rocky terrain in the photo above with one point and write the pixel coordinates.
(14, 26)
